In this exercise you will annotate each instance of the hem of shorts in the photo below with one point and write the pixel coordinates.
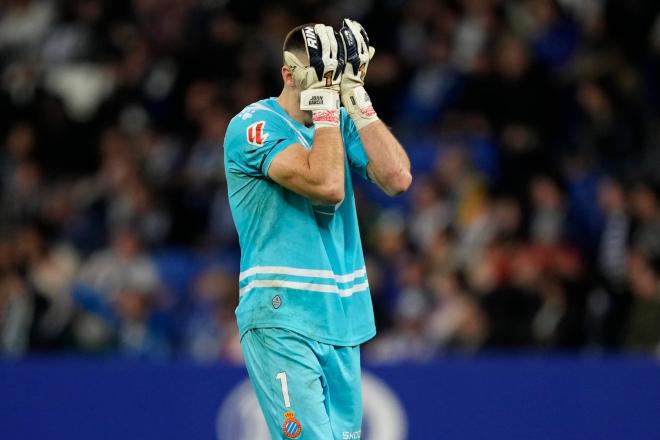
(340, 343)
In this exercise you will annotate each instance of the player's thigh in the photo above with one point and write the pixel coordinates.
(286, 376)
(344, 392)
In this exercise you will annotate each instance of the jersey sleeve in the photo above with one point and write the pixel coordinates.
(357, 157)
(251, 143)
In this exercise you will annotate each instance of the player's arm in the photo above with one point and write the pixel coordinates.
(317, 174)
(389, 166)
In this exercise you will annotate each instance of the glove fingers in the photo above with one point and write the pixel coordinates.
(359, 35)
(341, 56)
(326, 38)
(330, 33)
(320, 31)
(351, 45)
(353, 25)
(334, 50)
(363, 42)
(364, 51)
(314, 49)
(365, 37)
(357, 30)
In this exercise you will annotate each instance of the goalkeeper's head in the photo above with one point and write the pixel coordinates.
(294, 57)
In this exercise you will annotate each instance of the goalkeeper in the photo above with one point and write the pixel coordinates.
(305, 305)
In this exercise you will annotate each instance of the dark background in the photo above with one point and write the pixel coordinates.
(533, 223)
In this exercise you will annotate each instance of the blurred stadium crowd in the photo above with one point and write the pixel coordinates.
(533, 128)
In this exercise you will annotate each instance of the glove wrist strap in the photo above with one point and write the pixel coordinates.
(324, 105)
(319, 99)
(359, 107)
(325, 118)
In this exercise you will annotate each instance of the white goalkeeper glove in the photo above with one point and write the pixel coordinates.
(319, 82)
(358, 54)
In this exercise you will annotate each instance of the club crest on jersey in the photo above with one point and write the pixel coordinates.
(291, 426)
(310, 37)
(255, 134)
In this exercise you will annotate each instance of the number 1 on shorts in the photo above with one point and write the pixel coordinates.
(281, 376)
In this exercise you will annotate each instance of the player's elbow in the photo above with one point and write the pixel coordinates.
(399, 182)
(331, 194)
(404, 181)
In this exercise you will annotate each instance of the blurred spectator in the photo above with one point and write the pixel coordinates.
(555, 33)
(548, 211)
(124, 265)
(456, 322)
(643, 332)
(407, 339)
(432, 88)
(616, 232)
(22, 26)
(645, 200)
(140, 332)
(609, 302)
(210, 331)
(429, 215)
(15, 315)
(120, 286)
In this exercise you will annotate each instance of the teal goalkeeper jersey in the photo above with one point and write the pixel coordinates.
(302, 266)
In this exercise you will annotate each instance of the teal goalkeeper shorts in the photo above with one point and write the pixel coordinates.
(306, 389)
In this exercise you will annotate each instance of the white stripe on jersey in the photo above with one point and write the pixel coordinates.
(310, 287)
(296, 271)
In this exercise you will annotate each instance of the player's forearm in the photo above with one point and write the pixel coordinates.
(326, 165)
(389, 165)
